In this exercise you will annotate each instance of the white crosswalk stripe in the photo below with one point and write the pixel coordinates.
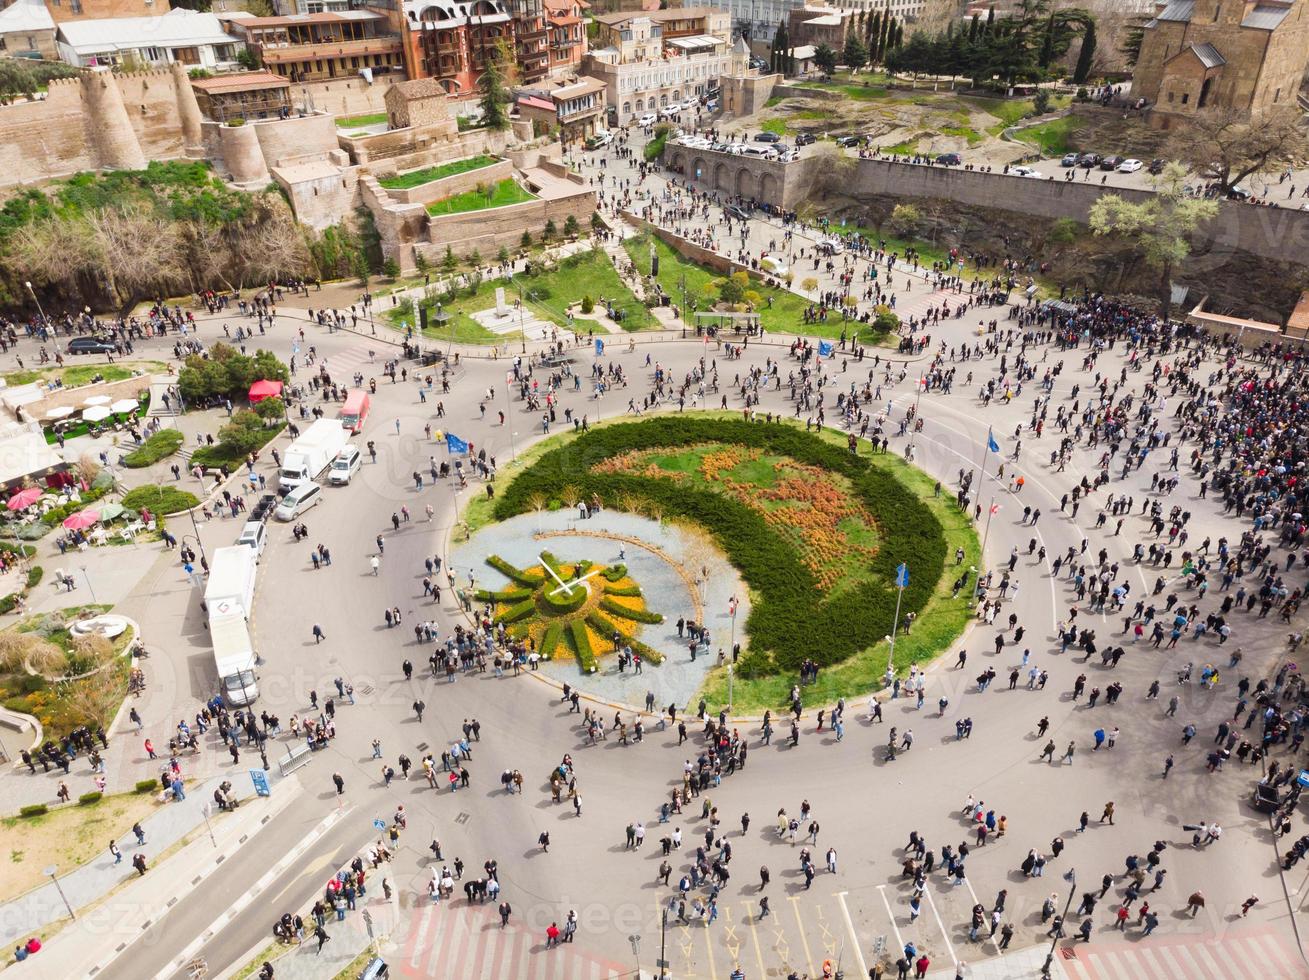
(1255, 955)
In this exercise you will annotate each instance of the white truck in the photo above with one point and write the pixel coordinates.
(231, 588)
(309, 455)
(234, 659)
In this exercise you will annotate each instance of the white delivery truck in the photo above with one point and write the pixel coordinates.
(234, 659)
(231, 588)
(309, 455)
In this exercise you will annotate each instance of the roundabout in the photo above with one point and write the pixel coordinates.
(794, 541)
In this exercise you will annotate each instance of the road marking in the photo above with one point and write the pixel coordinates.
(891, 915)
(804, 940)
(752, 918)
(709, 945)
(991, 939)
(941, 925)
(854, 937)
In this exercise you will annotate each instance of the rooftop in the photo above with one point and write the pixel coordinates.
(658, 16)
(246, 81)
(291, 20)
(176, 28)
(583, 86)
(26, 15)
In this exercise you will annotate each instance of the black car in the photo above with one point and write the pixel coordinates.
(91, 345)
(1156, 166)
(740, 214)
(767, 138)
(1111, 163)
(1089, 160)
(804, 139)
(849, 140)
(950, 159)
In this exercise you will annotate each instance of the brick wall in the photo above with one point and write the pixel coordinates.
(487, 231)
(45, 139)
(344, 96)
(434, 190)
(150, 99)
(280, 139)
(324, 200)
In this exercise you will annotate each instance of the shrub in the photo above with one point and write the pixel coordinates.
(34, 810)
(550, 639)
(146, 785)
(559, 603)
(160, 499)
(9, 603)
(625, 590)
(86, 799)
(56, 515)
(507, 595)
(34, 575)
(521, 611)
(159, 446)
(614, 572)
(636, 615)
(608, 628)
(513, 573)
(588, 304)
(582, 645)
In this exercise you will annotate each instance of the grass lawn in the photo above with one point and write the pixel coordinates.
(1010, 112)
(927, 252)
(416, 177)
(1053, 137)
(905, 147)
(777, 126)
(355, 122)
(939, 623)
(785, 316)
(548, 296)
(504, 193)
(74, 375)
(68, 837)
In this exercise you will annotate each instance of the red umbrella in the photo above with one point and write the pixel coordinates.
(24, 498)
(264, 389)
(82, 520)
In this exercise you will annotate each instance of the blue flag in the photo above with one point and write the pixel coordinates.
(599, 346)
(825, 348)
(902, 576)
(991, 444)
(454, 444)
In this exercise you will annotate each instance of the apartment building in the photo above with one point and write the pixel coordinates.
(567, 34)
(313, 47)
(648, 59)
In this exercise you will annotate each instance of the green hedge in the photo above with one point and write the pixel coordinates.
(521, 611)
(614, 572)
(9, 603)
(791, 619)
(513, 573)
(160, 499)
(582, 645)
(636, 615)
(560, 603)
(86, 799)
(159, 446)
(550, 639)
(146, 785)
(608, 628)
(34, 576)
(630, 591)
(34, 810)
(510, 595)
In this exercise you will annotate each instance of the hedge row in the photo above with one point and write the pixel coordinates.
(159, 446)
(560, 603)
(630, 591)
(614, 573)
(510, 595)
(582, 645)
(514, 574)
(609, 628)
(792, 619)
(159, 499)
(521, 611)
(636, 615)
(550, 639)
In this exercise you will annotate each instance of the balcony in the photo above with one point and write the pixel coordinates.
(288, 53)
(557, 44)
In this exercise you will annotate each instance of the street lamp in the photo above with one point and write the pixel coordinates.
(34, 299)
(88, 584)
(52, 872)
(635, 940)
(1072, 890)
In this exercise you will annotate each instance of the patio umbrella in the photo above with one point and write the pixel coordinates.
(62, 412)
(109, 511)
(98, 400)
(82, 520)
(97, 414)
(24, 498)
(125, 405)
(264, 389)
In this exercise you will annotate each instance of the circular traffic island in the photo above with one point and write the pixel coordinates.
(794, 544)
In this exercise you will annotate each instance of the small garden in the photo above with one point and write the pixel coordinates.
(76, 375)
(160, 499)
(815, 530)
(498, 195)
(577, 609)
(417, 177)
(361, 121)
(64, 681)
(159, 446)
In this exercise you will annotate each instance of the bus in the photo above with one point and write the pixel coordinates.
(355, 410)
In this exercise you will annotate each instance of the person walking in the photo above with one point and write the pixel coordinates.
(321, 935)
(505, 912)
(138, 862)
(339, 780)
(319, 636)
(118, 855)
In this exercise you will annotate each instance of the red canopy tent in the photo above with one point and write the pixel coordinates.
(264, 389)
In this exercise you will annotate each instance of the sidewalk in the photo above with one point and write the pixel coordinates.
(74, 951)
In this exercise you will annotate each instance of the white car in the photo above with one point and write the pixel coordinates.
(647, 119)
(1130, 166)
(670, 110)
(1024, 172)
(773, 265)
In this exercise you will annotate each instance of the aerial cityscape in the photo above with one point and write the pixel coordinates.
(586, 489)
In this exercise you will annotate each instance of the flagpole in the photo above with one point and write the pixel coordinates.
(990, 512)
(981, 469)
(895, 628)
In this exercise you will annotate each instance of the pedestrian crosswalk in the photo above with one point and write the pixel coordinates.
(452, 940)
(1239, 955)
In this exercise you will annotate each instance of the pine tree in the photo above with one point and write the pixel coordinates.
(494, 96)
(1083, 70)
(899, 35)
(781, 49)
(974, 26)
(990, 22)
(1047, 44)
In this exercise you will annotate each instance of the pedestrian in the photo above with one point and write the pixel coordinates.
(1108, 813)
(118, 855)
(138, 862)
(1248, 904)
(339, 780)
(321, 935)
(505, 912)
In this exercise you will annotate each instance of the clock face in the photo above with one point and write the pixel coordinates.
(577, 582)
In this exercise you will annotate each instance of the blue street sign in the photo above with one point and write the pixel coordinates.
(902, 576)
(1303, 778)
(379, 824)
(260, 780)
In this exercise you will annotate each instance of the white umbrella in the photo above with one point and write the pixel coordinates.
(62, 412)
(124, 405)
(98, 400)
(97, 413)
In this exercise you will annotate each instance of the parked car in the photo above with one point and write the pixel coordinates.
(1089, 160)
(849, 140)
(804, 139)
(711, 105)
(1239, 193)
(1025, 172)
(670, 110)
(949, 159)
(597, 140)
(1110, 163)
(1156, 166)
(91, 345)
(646, 119)
(739, 213)
(1069, 160)
(767, 138)
(1130, 166)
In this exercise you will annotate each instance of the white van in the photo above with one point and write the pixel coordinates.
(773, 264)
(298, 501)
(254, 535)
(347, 461)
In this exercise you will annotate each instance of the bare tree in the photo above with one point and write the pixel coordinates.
(141, 252)
(93, 700)
(1227, 146)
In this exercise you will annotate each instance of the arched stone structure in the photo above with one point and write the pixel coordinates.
(722, 178)
(746, 185)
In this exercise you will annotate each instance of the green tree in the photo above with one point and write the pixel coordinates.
(526, 241)
(974, 26)
(1041, 102)
(494, 94)
(874, 36)
(502, 256)
(825, 58)
(1085, 55)
(448, 261)
(781, 47)
(1160, 226)
(855, 54)
(570, 226)
(1047, 44)
(390, 268)
(271, 409)
(550, 231)
(243, 434)
(905, 219)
